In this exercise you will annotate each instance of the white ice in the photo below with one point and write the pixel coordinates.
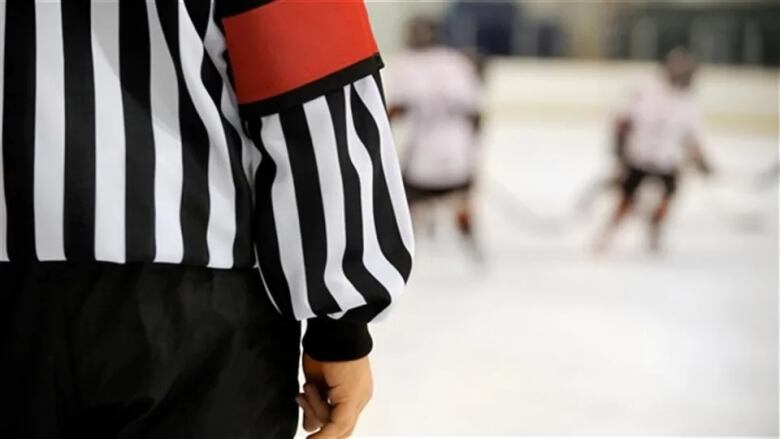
(548, 339)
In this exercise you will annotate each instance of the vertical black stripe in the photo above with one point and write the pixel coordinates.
(199, 12)
(311, 212)
(79, 131)
(378, 79)
(352, 264)
(264, 226)
(196, 205)
(135, 75)
(242, 245)
(19, 128)
(225, 55)
(387, 232)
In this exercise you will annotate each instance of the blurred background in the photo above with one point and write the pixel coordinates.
(524, 326)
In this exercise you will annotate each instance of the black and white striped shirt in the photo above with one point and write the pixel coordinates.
(194, 132)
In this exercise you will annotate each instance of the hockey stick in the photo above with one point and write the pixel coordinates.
(732, 205)
(520, 211)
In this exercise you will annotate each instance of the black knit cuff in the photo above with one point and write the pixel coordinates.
(335, 340)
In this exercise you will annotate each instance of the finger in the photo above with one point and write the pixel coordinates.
(330, 431)
(310, 420)
(343, 420)
(319, 406)
(317, 402)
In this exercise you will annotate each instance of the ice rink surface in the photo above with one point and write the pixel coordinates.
(547, 338)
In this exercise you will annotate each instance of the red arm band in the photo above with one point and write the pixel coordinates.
(284, 45)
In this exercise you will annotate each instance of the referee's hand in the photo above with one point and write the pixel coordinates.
(334, 395)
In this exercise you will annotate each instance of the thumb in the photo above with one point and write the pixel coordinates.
(311, 421)
(342, 421)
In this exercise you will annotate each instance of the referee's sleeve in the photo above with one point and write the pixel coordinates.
(332, 227)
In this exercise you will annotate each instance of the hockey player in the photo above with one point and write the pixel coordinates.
(657, 131)
(439, 91)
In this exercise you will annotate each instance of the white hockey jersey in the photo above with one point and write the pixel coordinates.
(441, 91)
(664, 120)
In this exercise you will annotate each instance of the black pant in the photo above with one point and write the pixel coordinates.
(416, 193)
(634, 177)
(143, 351)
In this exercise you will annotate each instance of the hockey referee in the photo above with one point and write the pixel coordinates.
(181, 183)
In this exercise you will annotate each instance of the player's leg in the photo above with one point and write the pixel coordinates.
(662, 210)
(463, 216)
(633, 178)
(464, 219)
(591, 193)
(464, 212)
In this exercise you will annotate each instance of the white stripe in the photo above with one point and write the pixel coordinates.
(338, 315)
(286, 217)
(109, 136)
(49, 167)
(323, 138)
(215, 45)
(250, 158)
(369, 93)
(250, 154)
(254, 158)
(3, 213)
(221, 232)
(168, 179)
(373, 258)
